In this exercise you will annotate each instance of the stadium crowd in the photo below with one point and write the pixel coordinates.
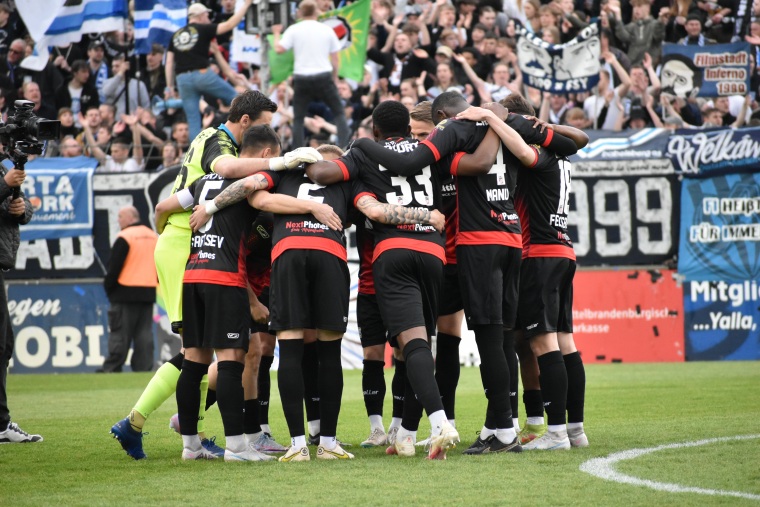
(416, 50)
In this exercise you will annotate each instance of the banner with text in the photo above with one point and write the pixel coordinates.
(716, 151)
(628, 316)
(624, 212)
(60, 191)
(711, 70)
(560, 68)
(721, 320)
(720, 228)
(59, 327)
(86, 255)
(638, 145)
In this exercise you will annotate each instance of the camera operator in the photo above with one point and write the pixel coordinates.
(12, 213)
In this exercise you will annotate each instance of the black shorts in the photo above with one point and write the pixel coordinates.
(450, 299)
(408, 284)
(546, 295)
(371, 327)
(489, 277)
(215, 316)
(309, 290)
(264, 300)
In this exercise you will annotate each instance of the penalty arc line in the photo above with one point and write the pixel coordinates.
(604, 468)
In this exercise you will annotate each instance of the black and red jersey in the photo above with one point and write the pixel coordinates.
(365, 245)
(217, 250)
(543, 194)
(449, 209)
(423, 190)
(258, 263)
(304, 232)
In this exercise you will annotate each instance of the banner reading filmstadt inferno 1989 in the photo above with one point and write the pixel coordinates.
(705, 71)
(560, 68)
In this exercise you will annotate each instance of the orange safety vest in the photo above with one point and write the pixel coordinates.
(139, 268)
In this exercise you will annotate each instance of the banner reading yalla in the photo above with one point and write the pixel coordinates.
(711, 70)
(720, 228)
(61, 194)
(560, 68)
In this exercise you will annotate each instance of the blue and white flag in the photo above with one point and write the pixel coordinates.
(156, 21)
(61, 22)
(560, 68)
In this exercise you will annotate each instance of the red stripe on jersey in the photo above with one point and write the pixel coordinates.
(549, 137)
(550, 251)
(455, 162)
(489, 238)
(214, 277)
(343, 169)
(308, 243)
(522, 212)
(432, 147)
(356, 199)
(417, 245)
(269, 180)
(259, 280)
(535, 160)
(451, 237)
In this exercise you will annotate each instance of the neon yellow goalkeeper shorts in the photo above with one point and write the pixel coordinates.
(172, 251)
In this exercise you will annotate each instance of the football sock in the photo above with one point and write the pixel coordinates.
(395, 423)
(230, 394)
(447, 370)
(330, 386)
(373, 386)
(506, 435)
(486, 432)
(235, 443)
(328, 443)
(494, 372)
(437, 419)
(534, 405)
(403, 433)
(553, 380)
(376, 421)
(576, 387)
(557, 428)
(514, 372)
(265, 427)
(202, 407)
(314, 427)
(189, 395)
(310, 364)
(251, 417)
(210, 398)
(298, 441)
(412, 409)
(265, 385)
(159, 389)
(398, 386)
(575, 426)
(420, 370)
(192, 442)
(290, 381)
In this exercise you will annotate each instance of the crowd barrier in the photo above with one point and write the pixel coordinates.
(640, 201)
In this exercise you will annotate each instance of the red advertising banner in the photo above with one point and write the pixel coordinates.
(628, 316)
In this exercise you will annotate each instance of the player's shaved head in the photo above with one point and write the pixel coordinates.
(330, 151)
(448, 104)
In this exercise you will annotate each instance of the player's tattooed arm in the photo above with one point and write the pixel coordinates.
(397, 215)
(229, 196)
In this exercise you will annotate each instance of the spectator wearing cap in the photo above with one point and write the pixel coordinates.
(315, 69)
(638, 118)
(694, 35)
(154, 76)
(98, 68)
(79, 93)
(120, 87)
(189, 51)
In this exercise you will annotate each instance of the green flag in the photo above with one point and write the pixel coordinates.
(351, 25)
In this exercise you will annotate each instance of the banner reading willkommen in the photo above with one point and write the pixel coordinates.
(560, 68)
(705, 71)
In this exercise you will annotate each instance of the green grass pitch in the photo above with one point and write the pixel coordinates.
(628, 406)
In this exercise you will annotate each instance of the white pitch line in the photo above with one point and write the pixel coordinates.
(604, 468)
